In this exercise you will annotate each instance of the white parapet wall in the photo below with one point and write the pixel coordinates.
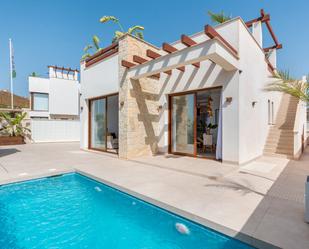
(300, 129)
(55, 130)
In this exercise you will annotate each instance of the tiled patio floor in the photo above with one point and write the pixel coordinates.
(262, 200)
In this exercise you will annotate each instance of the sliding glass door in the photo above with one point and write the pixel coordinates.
(98, 124)
(195, 128)
(103, 123)
(182, 125)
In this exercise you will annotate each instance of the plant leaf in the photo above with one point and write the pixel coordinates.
(287, 84)
(96, 42)
(87, 48)
(135, 28)
(218, 18)
(109, 18)
(140, 35)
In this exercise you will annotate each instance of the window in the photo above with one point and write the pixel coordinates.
(271, 112)
(39, 101)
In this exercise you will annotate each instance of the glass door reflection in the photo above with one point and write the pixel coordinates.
(98, 124)
(182, 124)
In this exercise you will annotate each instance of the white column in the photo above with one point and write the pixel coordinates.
(257, 32)
(52, 72)
(75, 75)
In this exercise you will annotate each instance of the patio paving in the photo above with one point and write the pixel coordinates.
(260, 201)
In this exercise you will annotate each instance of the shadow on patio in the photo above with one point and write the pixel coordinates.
(8, 151)
(279, 217)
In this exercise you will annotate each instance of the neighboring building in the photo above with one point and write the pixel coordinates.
(55, 97)
(55, 107)
(19, 102)
(201, 96)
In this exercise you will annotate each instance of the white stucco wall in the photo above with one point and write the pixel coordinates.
(38, 84)
(84, 123)
(253, 120)
(63, 97)
(101, 78)
(97, 80)
(300, 128)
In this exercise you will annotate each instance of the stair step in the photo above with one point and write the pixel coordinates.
(286, 147)
(273, 144)
(281, 131)
(278, 138)
(278, 155)
(279, 151)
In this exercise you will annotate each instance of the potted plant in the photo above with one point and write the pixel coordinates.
(210, 127)
(12, 129)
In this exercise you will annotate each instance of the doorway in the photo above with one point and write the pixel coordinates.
(103, 123)
(195, 123)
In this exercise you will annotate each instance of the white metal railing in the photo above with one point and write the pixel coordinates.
(55, 130)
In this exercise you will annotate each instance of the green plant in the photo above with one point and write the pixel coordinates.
(136, 30)
(285, 83)
(12, 125)
(206, 128)
(34, 74)
(210, 127)
(219, 18)
(95, 47)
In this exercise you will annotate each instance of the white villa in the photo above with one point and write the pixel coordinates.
(55, 97)
(201, 96)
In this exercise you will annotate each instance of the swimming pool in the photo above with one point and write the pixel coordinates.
(74, 211)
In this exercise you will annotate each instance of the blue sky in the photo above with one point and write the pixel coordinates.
(46, 32)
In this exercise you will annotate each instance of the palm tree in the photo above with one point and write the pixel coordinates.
(287, 84)
(136, 30)
(219, 18)
(13, 125)
(95, 47)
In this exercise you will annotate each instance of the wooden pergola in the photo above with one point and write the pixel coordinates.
(265, 18)
(194, 53)
(63, 69)
(216, 49)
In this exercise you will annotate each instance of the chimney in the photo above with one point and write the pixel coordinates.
(75, 75)
(52, 73)
(257, 32)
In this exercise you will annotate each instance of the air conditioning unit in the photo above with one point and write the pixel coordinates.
(307, 200)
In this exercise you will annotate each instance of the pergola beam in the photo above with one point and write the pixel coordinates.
(212, 49)
(279, 46)
(152, 54)
(265, 18)
(139, 59)
(259, 19)
(127, 64)
(170, 49)
(186, 40)
(212, 33)
(272, 33)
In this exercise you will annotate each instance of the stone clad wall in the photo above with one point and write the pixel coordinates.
(138, 105)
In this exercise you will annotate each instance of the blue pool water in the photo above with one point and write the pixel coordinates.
(73, 211)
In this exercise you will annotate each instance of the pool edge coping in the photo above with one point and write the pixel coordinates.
(185, 214)
(250, 240)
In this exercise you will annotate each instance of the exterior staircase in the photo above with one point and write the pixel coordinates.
(280, 140)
